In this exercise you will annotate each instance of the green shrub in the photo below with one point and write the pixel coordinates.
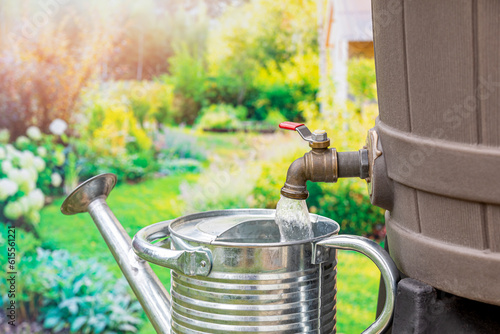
(26, 246)
(282, 86)
(111, 137)
(178, 151)
(163, 97)
(188, 77)
(152, 103)
(177, 143)
(109, 127)
(77, 295)
(273, 118)
(348, 203)
(221, 116)
(247, 40)
(130, 167)
(362, 80)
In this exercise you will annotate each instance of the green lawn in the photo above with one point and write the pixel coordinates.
(357, 285)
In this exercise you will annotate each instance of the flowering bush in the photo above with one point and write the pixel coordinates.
(115, 130)
(221, 116)
(30, 169)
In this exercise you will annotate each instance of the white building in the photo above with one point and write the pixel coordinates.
(348, 33)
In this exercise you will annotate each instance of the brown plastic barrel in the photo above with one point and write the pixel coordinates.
(438, 78)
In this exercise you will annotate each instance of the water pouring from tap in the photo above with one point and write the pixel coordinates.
(292, 218)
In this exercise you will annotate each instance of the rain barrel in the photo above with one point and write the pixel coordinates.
(438, 79)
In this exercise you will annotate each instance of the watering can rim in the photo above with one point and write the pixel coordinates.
(266, 213)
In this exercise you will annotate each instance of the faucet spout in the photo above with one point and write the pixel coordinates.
(90, 197)
(318, 165)
(296, 182)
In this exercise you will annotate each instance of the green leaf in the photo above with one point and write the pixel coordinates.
(78, 323)
(99, 327)
(51, 322)
(71, 304)
(128, 328)
(59, 327)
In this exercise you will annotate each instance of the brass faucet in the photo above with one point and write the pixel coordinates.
(322, 163)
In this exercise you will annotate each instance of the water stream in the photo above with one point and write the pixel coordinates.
(292, 217)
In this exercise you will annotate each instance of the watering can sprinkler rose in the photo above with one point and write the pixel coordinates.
(231, 273)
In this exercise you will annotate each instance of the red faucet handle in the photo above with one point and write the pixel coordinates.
(290, 125)
(303, 131)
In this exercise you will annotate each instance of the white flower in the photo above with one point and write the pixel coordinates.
(23, 178)
(60, 158)
(58, 126)
(11, 150)
(41, 151)
(33, 174)
(27, 186)
(56, 179)
(34, 133)
(33, 217)
(3, 153)
(25, 204)
(14, 175)
(39, 164)
(7, 188)
(26, 159)
(36, 199)
(13, 210)
(6, 166)
(4, 136)
(22, 141)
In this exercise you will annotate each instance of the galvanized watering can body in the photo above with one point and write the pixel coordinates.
(230, 272)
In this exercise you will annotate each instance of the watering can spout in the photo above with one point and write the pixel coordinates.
(90, 197)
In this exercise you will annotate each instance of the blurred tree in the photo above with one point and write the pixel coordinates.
(362, 80)
(259, 34)
(188, 78)
(151, 32)
(50, 52)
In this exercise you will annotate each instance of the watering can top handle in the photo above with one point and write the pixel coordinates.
(191, 262)
(385, 264)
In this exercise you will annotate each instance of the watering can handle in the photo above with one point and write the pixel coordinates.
(388, 269)
(190, 262)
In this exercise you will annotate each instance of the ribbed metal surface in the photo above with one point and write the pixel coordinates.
(291, 302)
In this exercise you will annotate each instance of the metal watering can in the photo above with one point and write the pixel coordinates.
(230, 272)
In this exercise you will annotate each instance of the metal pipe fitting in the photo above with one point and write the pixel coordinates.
(353, 164)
